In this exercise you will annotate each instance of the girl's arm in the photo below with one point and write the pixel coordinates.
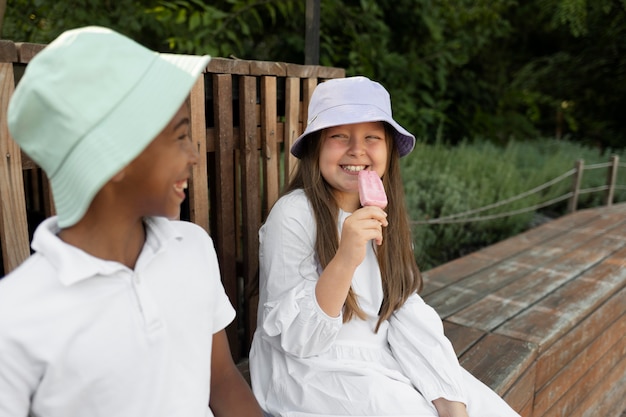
(446, 408)
(363, 225)
(299, 310)
(289, 316)
(418, 342)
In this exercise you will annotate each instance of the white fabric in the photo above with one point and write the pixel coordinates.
(80, 336)
(304, 363)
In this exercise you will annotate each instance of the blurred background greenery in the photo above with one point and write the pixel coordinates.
(504, 95)
(443, 181)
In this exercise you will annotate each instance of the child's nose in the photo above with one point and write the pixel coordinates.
(356, 146)
(193, 153)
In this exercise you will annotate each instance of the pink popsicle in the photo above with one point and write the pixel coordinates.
(371, 190)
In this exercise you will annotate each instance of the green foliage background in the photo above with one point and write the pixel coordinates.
(485, 84)
(442, 180)
(456, 69)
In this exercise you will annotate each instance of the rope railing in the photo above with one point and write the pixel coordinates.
(499, 215)
(576, 172)
(506, 201)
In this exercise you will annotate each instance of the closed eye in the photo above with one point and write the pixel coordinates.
(340, 137)
(182, 128)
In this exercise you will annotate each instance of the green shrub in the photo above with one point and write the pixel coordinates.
(442, 181)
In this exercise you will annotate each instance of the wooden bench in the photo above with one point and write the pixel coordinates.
(539, 317)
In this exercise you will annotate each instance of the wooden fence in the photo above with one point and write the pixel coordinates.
(244, 115)
(609, 188)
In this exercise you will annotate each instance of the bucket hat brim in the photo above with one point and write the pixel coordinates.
(89, 103)
(345, 101)
(141, 116)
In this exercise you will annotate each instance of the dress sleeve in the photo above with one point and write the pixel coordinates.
(290, 315)
(426, 355)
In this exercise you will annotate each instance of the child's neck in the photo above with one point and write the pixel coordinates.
(108, 241)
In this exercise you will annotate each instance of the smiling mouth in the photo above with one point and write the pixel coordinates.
(354, 168)
(181, 186)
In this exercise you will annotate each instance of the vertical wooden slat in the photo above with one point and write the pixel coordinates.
(13, 220)
(293, 128)
(224, 234)
(251, 195)
(48, 199)
(33, 188)
(308, 85)
(198, 186)
(269, 140)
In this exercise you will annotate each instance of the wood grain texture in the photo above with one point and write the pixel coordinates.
(199, 207)
(540, 317)
(8, 51)
(499, 361)
(14, 237)
(225, 195)
(251, 197)
(269, 142)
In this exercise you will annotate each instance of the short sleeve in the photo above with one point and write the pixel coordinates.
(224, 313)
(19, 372)
(222, 309)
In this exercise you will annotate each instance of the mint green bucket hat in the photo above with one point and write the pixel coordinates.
(89, 103)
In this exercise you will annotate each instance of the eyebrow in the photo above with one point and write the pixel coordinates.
(182, 122)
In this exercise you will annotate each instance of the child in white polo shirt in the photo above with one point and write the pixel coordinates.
(119, 311)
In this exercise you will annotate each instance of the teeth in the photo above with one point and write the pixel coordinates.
(181, 185)
(354, 168)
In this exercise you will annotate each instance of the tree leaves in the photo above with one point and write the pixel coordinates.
(455, 68)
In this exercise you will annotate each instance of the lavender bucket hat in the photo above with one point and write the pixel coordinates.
(351, 100)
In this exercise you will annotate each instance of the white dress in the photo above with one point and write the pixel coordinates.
(304, 363)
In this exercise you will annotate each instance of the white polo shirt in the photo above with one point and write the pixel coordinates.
(80, 336)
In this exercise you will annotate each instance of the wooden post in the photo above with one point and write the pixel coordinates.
(224, 233)
(611, 179)
(13, 220)
(312, 35)
(579, 167)
(292, 123)
(199, 186)
(251, 206)
(269, 141)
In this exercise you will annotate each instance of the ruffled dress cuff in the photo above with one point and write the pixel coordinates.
(426, 355)
(298, 324)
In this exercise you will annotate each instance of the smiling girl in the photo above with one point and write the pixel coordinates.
(341, 328)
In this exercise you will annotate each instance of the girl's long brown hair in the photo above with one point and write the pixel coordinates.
(400, 275)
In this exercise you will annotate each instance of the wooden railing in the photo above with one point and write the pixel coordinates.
(245, 114)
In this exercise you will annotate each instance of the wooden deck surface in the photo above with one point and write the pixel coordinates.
(541, 317)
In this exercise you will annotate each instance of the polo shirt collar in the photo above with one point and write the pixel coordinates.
(74, 265)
